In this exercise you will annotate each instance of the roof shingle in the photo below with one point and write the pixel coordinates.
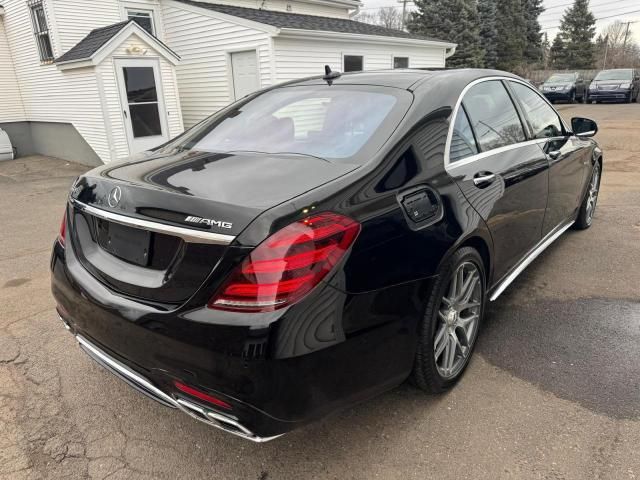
(306, 22)
(92, 42)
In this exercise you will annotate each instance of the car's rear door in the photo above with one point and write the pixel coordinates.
(569, 160)
(501, 173)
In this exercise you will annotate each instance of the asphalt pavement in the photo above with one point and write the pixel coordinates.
(552, 393)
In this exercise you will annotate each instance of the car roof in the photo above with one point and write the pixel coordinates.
(407, 79)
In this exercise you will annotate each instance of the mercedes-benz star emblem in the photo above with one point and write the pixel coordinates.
(114, 197)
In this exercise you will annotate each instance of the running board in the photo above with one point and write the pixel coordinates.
(542, 246)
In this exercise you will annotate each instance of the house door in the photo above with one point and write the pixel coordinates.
(142, 104)
(244, 67)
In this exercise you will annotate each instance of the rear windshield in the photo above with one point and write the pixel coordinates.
(615, 75)
(331, 122)
(561, 77)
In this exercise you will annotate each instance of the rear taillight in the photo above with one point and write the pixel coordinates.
(287, 265)
(201, 395)
(63, 229)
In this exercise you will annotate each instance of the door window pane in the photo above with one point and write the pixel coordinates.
(353, 63)
(142, 18)
(543, 119)
(145, 120)
(463, 144)
(140, 84)
(400, 62)
(493, 116)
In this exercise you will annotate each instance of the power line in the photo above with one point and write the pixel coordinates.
(591, 6)
(600, 18)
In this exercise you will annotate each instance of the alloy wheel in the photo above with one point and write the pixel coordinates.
(592, 198)
(458, 320)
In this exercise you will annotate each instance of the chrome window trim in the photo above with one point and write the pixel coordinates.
(448, 165)
(187, 234)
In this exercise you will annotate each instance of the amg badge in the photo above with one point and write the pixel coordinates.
(209, 221)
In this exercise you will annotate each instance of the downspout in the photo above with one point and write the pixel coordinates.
(355, 12)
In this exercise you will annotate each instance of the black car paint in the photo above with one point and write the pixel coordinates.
(354, 335)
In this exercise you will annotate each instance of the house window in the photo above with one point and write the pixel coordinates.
(144, 18)
(41, 30)
(353, 63)
(400, 62)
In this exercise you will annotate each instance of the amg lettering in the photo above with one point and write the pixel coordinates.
(209, 221)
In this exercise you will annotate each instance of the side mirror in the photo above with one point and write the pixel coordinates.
(583, 127)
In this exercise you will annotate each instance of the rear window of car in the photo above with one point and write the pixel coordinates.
(562, 77)
(331, 122)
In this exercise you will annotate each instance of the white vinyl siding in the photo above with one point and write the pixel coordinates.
(11, 109)
(114, 116)
(295, 58)
(204, 45)
(48, 94)
(74, 19)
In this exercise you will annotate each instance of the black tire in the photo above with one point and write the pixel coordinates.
(585, 215)
(425, 374)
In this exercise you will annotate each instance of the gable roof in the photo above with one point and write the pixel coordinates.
(98, 38)
(306, 22)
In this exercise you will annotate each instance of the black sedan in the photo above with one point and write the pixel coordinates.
(568, 87)
(621, 85)
(319, 242)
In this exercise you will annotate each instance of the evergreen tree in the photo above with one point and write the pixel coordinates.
(533, 47)
(512, 34)
(455, 21)
(557, 57)
(577, 28)
(487, 15)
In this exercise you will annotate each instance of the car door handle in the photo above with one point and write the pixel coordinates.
(483, 179)
(554, 154)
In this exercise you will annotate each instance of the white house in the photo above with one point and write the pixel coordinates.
(95, 81)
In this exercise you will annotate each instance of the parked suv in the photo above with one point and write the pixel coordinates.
(622, 84)
(564, 86)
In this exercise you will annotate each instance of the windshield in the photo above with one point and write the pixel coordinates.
(330, 122)
(561, 77)
(615, 75)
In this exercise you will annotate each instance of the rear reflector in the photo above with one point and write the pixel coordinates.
(63, 229)
(201, 395)
(287, 265)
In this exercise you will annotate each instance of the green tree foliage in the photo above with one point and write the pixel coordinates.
(557, 54)
(533, 47)
(487, 15)
(454, 21)
(577, 29)
(512, 34)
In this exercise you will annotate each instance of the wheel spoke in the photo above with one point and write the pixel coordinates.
(468, 305)
(450, 353)
(469, 287)
(440, 342)
(465, 322)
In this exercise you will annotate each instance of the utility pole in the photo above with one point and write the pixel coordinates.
(404, 11)
(606, 50)
(624, 45)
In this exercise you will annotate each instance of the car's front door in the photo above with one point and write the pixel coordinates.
(500, 172)
(569, 160)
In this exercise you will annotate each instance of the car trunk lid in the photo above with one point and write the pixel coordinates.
(155, 229)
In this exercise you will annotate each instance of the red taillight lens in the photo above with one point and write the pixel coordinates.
(201, 395)
(287, 265)
(63, 229)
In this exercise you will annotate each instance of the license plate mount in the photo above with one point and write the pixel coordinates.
(129, 244)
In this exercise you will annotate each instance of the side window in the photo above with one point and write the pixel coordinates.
(463, 144)
(543, 119)
(353, 63)
(493, 116)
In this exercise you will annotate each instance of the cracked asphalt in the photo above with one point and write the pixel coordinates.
(553, 392)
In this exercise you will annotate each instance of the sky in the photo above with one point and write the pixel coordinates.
(550, 19)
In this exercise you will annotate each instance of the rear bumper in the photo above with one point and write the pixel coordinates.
(329, 351)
